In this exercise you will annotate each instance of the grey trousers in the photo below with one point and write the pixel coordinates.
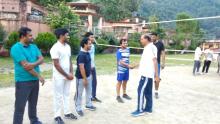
(79, 92)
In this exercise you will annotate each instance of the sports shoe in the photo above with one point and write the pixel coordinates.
(58, 120)
(80, 113)
(36, 122)
(148, 112)
(126, 97)
(119, 99)
(70, 116)
(137, 113)
(96, 100)
(91, 108)
(157, 95)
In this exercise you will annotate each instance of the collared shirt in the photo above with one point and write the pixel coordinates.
(85, 59)
(62, 52)
(92, 55)
(146, 67)
(19, 53)
(122, 55)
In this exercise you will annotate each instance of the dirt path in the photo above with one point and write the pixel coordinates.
(184, 99)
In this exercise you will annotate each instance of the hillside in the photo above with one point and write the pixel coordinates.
(167, 10)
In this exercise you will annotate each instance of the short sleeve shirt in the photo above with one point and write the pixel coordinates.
(122, 55)
(19, 53)
(85, 59)
(62, 52)
(160, 47)
(146, 67)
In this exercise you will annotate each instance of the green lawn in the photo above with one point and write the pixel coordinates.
(105, 64)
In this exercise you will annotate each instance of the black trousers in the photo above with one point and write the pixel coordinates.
(206, 66)
(26, 91)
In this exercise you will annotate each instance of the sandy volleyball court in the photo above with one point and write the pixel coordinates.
(184, 99)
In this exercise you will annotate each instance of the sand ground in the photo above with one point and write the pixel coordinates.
(184, 99)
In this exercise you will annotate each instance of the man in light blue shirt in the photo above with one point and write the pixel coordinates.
(90, 35)
(27, 58)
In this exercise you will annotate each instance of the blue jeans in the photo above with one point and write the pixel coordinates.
(26, 91)
(196, 66)
(158, 70)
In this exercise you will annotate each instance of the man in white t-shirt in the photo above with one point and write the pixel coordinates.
(197, 59)
(62, 75)
(148, 69)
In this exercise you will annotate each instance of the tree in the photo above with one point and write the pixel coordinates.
(2, 33)
(61, 16)
(187, 30)
(116, 10)
(155, 27)
(47, 3)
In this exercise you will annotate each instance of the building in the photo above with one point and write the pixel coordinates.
(88, 13)
(93, 21)
(17, 13)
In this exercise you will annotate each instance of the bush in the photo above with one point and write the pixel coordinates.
(100, 49)
(12, 39)
(45, 41)
(110, 38)
(135, 37)
(134, 44)
(74, 43)
(134, 41)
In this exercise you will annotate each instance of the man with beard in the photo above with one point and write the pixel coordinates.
(27, 58)
(62, 75)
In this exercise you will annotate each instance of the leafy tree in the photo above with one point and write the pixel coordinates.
(61, 16)
(51, 2)
(2, 33)
(155, 27)
(187, 30)
(116, 10)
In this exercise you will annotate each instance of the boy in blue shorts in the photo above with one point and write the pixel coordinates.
(123, 66)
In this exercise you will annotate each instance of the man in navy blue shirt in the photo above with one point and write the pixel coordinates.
(83, 77)
(161, 62)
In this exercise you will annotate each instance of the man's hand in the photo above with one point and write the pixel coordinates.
(157, 79)
(41, 79)
(85, 82)
(28, 66)
(70, 76)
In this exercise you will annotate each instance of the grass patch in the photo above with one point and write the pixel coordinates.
(105, 64)
(7, 80)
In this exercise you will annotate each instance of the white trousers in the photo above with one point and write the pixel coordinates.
(61, 96)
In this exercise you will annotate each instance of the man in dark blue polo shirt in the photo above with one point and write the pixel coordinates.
(27, 58)
(83, 77)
